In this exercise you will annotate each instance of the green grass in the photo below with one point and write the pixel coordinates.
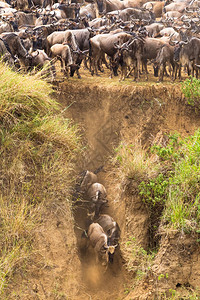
(169, 175)
(38, 147)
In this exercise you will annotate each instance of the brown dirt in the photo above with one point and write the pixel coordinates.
(108, 112)
(115, 112)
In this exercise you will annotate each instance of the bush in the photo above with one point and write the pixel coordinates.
(170, 179)
(191, 90)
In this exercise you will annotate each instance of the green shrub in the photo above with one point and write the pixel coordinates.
(169, 179)
(191, 90)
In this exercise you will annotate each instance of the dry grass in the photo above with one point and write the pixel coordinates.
(133, 162)
(38, 147)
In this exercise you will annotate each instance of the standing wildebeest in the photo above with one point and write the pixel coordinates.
(25, 19)
(187, 52)
(105, 6)
(130, 56)
(99, 242)
(154, 29)
(40, 60)
(63, 53)
(151, 48)
(15, 45)
(175, 6)
(155, 6)
(60, 37)
(6, 54)
(88, 11)
(164, 57)
(136, 13)
(78, 57)
(105, 44)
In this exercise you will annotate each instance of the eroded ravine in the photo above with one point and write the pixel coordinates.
(108, 115)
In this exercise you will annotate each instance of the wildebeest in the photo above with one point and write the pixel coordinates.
(88, 179)
(154, 29)
(105, 43)
(151, 48)
(60, 37)
(89, 11)
(25, 19)
(15, 45)
(105, 6)
(165, 56)
(156, 7)
(96, 195)
(63, 53)
(6, 26)
(39, 60)
(6, 54)
(78, 57)
(175, 6)
(130, 56)
(110, 227)
(99, 242)
(187, 53)
(135, 13)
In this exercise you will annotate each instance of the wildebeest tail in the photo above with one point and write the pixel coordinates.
(84, 234)
(90, 49)
(98, 170)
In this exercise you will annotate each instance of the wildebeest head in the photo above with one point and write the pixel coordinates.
(78, 56)
(177, 50)
(110, 250)
(101, 5)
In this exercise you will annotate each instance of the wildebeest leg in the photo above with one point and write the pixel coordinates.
(176, 68)
(53, 71)
(94, 64)
(165, 71)
(105, 61)
(64, 67)
(78, 74)
(100, 67)
(123, 73)
(179, 73)
(85, 64)
(145, 68)
(162, 70)
(136, 72)
(61, 64)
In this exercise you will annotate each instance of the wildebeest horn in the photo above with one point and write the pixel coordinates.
(37, 53)
(85, 51)
(116, 46)
(174, 42)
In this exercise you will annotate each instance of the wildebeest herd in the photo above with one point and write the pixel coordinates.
(113, 34)
(102, 232)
